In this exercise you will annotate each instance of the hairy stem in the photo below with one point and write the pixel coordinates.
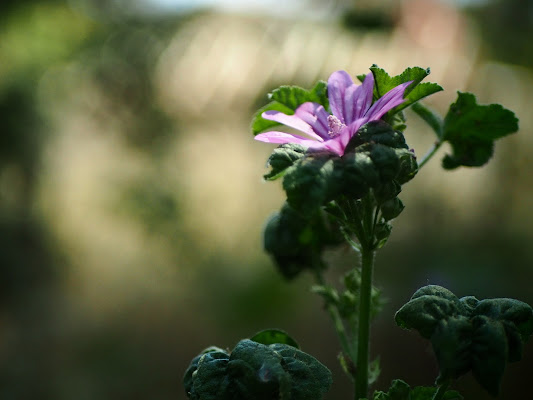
(363, 334)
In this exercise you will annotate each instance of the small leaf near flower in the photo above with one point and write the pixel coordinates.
(416, 91)
(471, 130)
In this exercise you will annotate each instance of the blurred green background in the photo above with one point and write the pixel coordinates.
(131, 198)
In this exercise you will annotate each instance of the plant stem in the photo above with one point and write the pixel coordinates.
(430, 153)
(363, 336)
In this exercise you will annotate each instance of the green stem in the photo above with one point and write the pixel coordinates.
(430, 153)
(363, 334)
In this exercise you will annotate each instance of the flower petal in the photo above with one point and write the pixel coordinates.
(389, 100)
(292, 121)
(284, 137)
(316, 116)
(349, 132)
(363, 97)
(332, 145)
(338, 82)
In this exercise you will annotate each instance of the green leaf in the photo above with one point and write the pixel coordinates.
(515, 311)
(384, 82)
(310, 379)
(435, 290)
(467, 119)
(399, 390)
(516, 318)
(254, 372)
(282, 158)
(427, 307)
(468, 153)
(257, 371)
(419, 91)
(471, 129)
(294, 96)
(469, 334)
(489, 353)
(188, 378)
(451, 341)
(272, 336)
(208, 380)
(414, 92)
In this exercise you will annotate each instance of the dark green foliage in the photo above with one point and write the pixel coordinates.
(310, 183)
(296, 242)
(400, 390)
(256, 371)
(469, 334)
(378, 159)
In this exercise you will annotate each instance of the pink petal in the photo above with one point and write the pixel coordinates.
(283, 137)
(316, 116)
(348, 132)
(350, 98)
(338, 82)
(332, 145)
(363, 97)
(292, 121)
(391, 99)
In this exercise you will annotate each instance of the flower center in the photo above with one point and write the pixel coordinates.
(335, 126)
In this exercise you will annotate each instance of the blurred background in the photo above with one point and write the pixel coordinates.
(131, 193)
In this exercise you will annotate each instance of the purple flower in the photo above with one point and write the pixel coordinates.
(351, 108)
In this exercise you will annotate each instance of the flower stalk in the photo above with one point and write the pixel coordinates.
(431, 152)
(363, 334)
